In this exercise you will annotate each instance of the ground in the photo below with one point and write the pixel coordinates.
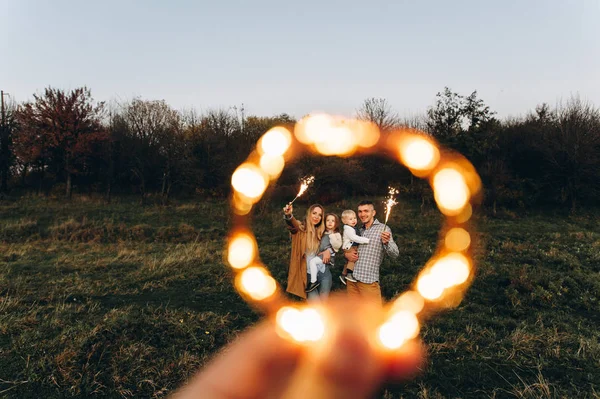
(124, 300)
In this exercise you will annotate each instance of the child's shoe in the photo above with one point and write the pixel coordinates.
(312, 286)
(343, 279)
(350, 277)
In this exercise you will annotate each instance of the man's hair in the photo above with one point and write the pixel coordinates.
(366, 202)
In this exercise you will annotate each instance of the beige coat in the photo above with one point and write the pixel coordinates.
(297, 271)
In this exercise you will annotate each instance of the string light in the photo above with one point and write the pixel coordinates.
(455, 185)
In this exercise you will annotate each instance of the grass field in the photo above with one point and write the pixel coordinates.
(122, 300)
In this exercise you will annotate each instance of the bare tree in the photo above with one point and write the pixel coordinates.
(378, 111)
(150, 125)
(572, 149)
(7, 128)
(415, 121)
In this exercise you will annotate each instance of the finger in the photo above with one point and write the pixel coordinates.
(337, 375)
(260, 362)
(405, 362)
(345, 364)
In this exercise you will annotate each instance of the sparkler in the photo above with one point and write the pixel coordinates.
(389, 203)
(307, 181)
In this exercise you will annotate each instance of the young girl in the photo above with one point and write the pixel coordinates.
(332, 240)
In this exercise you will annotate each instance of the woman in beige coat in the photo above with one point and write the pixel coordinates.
(306, 239)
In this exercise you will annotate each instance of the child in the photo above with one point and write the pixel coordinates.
(350, 242)
(331, 241)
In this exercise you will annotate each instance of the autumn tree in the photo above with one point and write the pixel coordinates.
(62, 126)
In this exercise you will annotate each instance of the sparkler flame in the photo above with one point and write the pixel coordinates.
(390, 202)
(307, 181)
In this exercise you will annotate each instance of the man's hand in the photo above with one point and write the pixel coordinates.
(326, 256)
(288, 209)
(386, 236)
(351, 256)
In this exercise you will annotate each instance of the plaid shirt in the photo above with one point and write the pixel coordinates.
(370, 256)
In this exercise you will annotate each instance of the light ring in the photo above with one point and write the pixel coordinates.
(444, 278)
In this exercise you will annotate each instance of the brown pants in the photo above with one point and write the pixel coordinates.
(349, 267)
(370, 292)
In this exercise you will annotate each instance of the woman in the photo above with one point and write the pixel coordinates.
(307, 239)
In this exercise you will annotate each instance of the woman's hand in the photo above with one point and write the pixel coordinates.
(288, 209)
(326, 256)
(265, 365)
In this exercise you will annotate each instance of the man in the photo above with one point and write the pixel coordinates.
(369, 257)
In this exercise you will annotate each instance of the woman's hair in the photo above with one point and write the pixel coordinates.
(314, 233)
(336, 227)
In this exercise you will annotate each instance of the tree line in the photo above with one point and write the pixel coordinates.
(65, 141)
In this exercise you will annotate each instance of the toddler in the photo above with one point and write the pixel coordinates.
(350, 242)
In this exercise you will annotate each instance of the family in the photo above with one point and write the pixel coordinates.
(317, 239)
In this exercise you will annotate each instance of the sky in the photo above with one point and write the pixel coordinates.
(304, 56)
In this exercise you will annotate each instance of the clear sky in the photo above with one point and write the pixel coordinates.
(302, 56)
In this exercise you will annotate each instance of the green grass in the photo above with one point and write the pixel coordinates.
(122, 300)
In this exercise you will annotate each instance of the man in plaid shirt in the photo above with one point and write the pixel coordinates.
(370, 256)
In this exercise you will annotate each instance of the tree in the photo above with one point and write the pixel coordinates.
(148, 127)
(65, 127)
(7, 128)
(444, 120)
(468, 126)
(215, 145)
(378, 111)
(571, 150)
(174, 152)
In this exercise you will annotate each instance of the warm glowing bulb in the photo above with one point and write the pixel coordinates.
(241, 251)
(389, 337)
(302, 326)
(407, 322)
(420, 154)
(276, 141)
(249, 180)
(272, 164)
(465, 214)
(241, 205)
(338, 140)
(430, 287)
(402, 326)
(452, 269)
(457, 239)
(257, 283)
(288, 318)
(314, 326)
(313, 128)
(367, 133)
(410, 301)
(451, 191)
